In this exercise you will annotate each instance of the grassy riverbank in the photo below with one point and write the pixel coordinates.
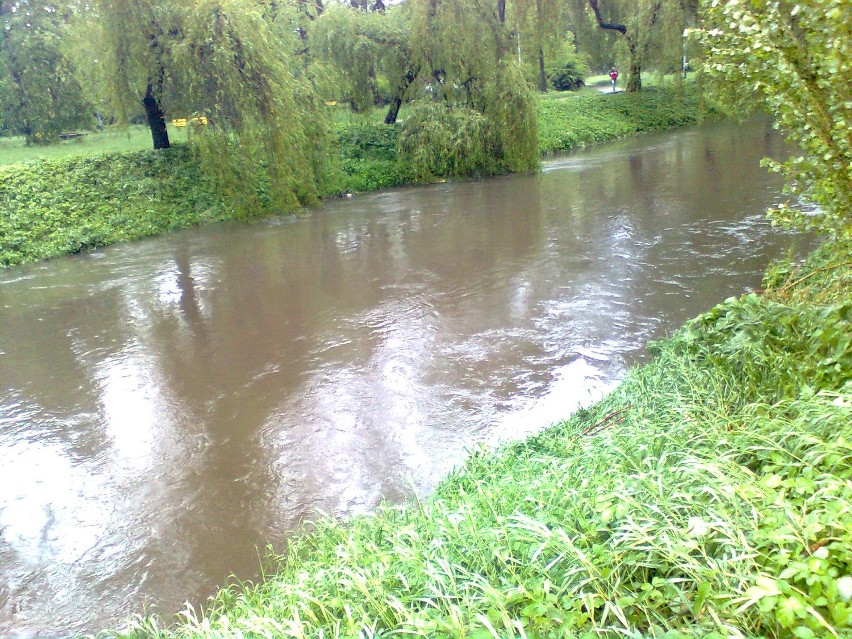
(709, 495)
(83, 197)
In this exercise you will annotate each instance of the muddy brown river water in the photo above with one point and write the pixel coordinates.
(169, 407)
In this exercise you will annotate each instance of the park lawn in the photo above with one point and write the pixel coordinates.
(14, 150)
(111, 140)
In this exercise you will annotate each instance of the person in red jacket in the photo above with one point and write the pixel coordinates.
(613, 75)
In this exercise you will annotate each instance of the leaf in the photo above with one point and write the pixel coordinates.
(700, 598)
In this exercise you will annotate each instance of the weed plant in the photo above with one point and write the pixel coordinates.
(710, 495)
(55, 207)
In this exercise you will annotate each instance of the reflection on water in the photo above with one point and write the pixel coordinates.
(170, 406)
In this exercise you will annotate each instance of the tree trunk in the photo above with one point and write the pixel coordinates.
(393, 110)
(396, 100)
(542, 76)
(634, 76)
(156, 119)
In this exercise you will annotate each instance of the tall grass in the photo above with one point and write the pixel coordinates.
(710, 495)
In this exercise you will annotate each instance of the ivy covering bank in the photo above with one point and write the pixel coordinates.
(55, 207)
(709, 495)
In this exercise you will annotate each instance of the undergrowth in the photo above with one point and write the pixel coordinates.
(570, 122)
(710, 495)
(55, 207)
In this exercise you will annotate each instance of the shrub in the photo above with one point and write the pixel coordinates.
(567, 71)
(440, 141)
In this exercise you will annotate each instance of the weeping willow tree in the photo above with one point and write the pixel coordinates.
(136, 57)
(640, 23)
(239, 74)
(472, 111)
(540, 36)
(364, 48)
(265, 141)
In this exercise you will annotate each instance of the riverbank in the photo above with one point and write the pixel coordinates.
(709, 495)
(71, 204)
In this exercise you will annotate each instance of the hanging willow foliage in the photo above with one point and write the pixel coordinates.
(269, 122)
(465, 61)
(265, 144)
(359, 45)
(135, 49)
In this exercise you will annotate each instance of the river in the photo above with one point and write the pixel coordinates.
(169, 406)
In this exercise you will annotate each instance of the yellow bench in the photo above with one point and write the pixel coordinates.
(180, 122)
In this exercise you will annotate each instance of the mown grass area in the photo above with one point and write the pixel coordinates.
(709, 495)
(93, 191)
(574, 121)
(111, 140)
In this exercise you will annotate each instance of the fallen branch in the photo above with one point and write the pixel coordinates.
(831, 267)
(606, 421)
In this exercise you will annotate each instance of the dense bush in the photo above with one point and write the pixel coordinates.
(566, 78)
(368, 155)
(440, 141)
(373, 141)
(567, 71)
(64, 206)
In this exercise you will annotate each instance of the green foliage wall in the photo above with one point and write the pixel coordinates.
(364, 48)
(269, 120)
(796, 59)
(465, 64)
(40, 96)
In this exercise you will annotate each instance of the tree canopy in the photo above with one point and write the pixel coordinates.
(258, 72)
(233, 63)
(795, 58)
(647, 27)
(40, 95)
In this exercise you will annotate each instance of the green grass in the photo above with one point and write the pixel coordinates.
(111, 140)
(14, 150)
(709, 495)
(570, 121)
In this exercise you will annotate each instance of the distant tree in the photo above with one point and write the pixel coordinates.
(40, 96)
(795, 58)
(589, 39)
(539, 25)
(362, 46)
(472, 99)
